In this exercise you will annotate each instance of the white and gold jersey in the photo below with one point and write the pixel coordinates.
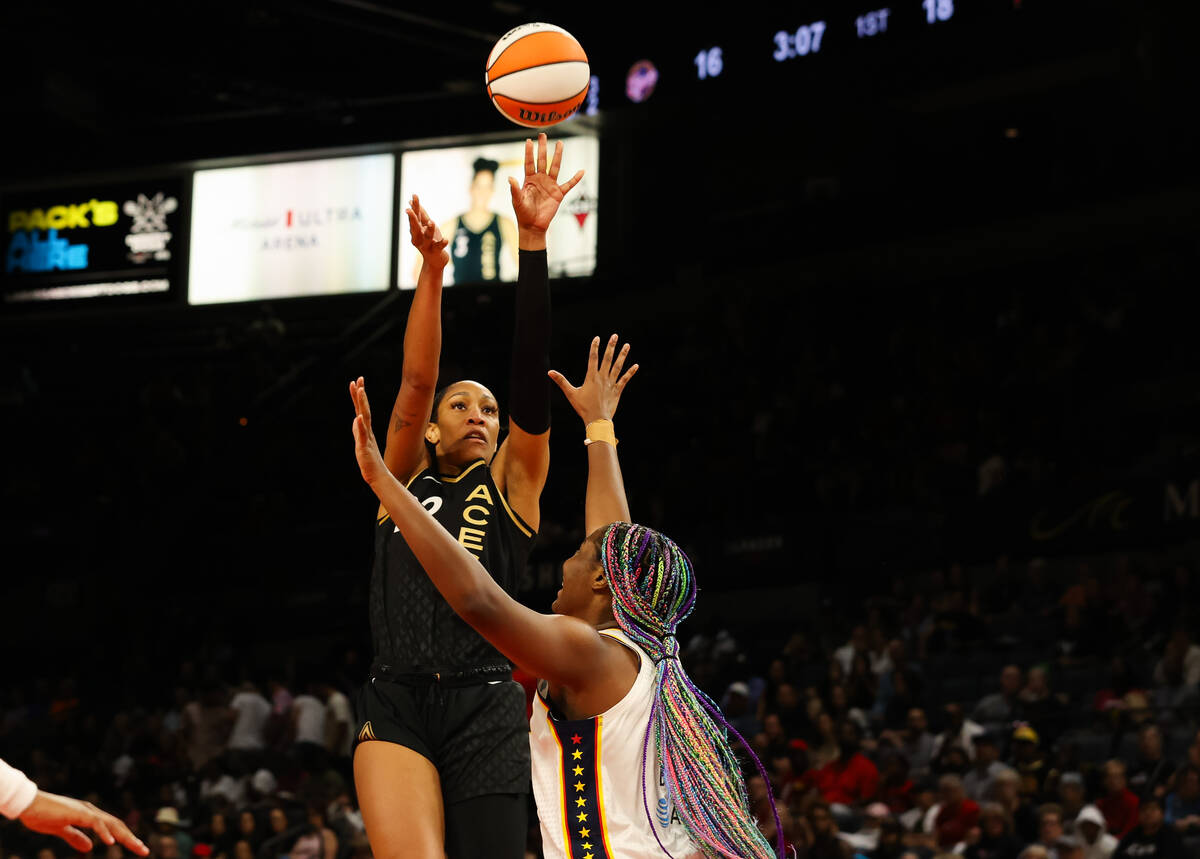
(587, 780)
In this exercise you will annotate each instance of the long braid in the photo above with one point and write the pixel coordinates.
(653, 589)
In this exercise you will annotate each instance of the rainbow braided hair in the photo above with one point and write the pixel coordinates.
(653, 590)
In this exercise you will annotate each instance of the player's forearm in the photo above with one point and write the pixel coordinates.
(529, 386)
(423, 332)
(455, 572)
(605, 501)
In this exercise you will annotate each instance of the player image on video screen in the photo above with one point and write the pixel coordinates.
(472, 181)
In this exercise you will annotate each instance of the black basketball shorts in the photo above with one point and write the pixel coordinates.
(474, 732)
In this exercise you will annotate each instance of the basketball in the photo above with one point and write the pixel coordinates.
(537, 75)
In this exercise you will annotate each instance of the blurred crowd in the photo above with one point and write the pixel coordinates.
(1045, 707)
(1047, 713)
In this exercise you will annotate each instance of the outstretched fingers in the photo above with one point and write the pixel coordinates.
(624, 380)
(556, 162)
(608, 354)
(530, 165)
(615, 369)
(541, 161)
(570, 183)
(594, 356)
(76, 838)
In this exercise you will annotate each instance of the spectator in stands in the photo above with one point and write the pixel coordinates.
(217, 835)
(1091, 829)
(891, 841)
(167, 823)
(899, 688)
(851, 779)
(1007, 792)
(205, 725)
(952, 760)
(993, 838)
(858, 644)
(880, 652)
(1000, 709)
(736, 707)
(1069, 847)
(790, 709)
(957, 816)
(1027, 759)
(248, 736)
(1072, 797)
(1150, 838)
(895, 784)
(841, 710)
(1050, 828)
(1183, 803)
(959, 731)
(764, 815)
(308, 728)
(919, 819)
(339, 722)
(772, 742)
(866, 839)
(861, 684)
(777, 673)
(1182, 650)
(819, 835)
(826, 747)
(984, 769)
(249, 831)
(1151, 772)
(1174, 699)
(914, 742)
(1119, 805)
(1040, 706)
(1122, 681)
(329, 840)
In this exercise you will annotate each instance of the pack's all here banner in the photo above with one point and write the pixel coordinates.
(465, 190)
(92, 240)
(292, 229)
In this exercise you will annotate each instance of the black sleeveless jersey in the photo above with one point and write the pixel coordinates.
(476, 256)
(412, 627)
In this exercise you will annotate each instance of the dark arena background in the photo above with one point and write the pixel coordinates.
(919, 395)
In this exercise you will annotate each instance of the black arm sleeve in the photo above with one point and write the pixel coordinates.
(529, 386)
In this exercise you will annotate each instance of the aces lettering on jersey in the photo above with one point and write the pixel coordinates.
(469, 536)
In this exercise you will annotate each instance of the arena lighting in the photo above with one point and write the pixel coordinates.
(1012, 133)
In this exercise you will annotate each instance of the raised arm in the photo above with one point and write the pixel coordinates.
(564, 650)
(595, 400)
(523, 460)
(404, 452)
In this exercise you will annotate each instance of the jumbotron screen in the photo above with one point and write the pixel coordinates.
(465, 190)
(292, 229)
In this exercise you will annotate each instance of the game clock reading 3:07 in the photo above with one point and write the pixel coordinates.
(809, 39)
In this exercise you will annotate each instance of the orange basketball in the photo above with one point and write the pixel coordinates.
(537, 75)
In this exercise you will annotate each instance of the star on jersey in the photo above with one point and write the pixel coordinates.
(575, 741)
